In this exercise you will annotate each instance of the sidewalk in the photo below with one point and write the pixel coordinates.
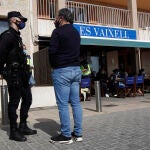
(123, 124)
(109, 105)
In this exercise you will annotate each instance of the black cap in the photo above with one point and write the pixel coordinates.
(16, 14)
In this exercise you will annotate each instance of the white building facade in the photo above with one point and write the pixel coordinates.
(116, 26)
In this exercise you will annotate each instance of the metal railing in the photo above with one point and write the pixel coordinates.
(93, 14)
(97, 14)
(46, 9)
(143, 19)
(1, 2)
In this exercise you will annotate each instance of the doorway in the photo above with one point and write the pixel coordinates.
(126, 60)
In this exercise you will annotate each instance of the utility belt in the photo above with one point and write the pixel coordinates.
(16, 74)
(15, 66)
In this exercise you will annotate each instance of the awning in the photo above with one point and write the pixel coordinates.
(114, 42)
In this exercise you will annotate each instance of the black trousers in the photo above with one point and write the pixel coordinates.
(16, 94)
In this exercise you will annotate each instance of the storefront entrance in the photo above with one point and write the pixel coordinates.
(110, 58)
(126, 60)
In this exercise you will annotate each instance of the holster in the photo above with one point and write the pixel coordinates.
(16, 75)
(11, 74)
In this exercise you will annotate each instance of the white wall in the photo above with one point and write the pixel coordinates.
(42, 97)
(45, 27)
(144, 34)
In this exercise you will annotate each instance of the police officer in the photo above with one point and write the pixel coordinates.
(14, 69)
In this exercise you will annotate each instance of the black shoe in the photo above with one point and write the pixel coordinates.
(16, 135)
(61, 139)
(76, 137)
(26, 130)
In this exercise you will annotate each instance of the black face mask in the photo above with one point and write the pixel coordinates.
(57, 23)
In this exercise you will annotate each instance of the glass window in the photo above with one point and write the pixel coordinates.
(3, 25)
(46, 9)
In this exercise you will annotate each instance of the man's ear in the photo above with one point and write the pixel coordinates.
(13, 19)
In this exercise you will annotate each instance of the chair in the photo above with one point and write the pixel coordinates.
(85, 87)
(140, 85)
(127, 88)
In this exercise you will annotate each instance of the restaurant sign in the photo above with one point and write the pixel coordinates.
(105, 32)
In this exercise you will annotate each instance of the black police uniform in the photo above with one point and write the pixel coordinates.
(14, 68)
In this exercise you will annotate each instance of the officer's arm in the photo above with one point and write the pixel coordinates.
(5, 46)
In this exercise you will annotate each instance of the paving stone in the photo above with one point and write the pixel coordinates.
(116, 130)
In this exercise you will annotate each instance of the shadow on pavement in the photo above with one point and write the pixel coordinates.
(49, 126)
(90, 109)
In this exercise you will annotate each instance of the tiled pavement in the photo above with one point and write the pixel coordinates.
(123, 125)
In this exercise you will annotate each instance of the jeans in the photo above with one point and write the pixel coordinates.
(66, 85)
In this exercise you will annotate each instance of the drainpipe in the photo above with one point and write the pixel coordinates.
(139, 57)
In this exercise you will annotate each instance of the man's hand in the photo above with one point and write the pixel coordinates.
(84, 70)
(1, 77)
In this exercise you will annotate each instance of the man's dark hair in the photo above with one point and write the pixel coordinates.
(66, 14)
